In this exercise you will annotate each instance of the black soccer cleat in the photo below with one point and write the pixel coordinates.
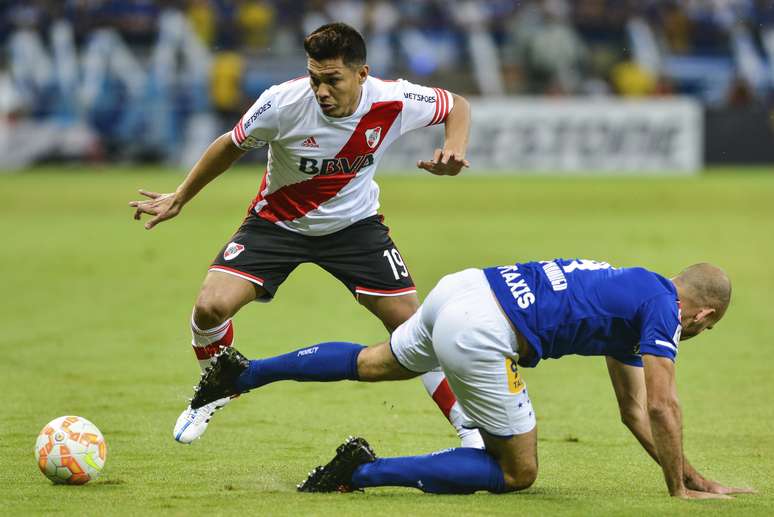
(336, 476)
(219, 379)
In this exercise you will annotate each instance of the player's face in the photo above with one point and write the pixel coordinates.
(336, 85)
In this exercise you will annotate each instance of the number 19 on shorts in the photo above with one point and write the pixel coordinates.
(396, 263)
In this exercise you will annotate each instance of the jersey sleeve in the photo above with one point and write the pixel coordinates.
(259, 125)
(630, 359)
(423, 106)
(660, 326)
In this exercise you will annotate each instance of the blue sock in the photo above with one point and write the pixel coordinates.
(322, 362)
(452, 471)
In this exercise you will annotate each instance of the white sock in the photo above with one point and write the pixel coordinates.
(207, 342)
(438, 387)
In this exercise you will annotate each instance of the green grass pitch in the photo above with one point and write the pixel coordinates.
(94, 322)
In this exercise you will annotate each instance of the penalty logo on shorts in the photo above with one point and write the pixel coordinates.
(515, 384)
(233, 250)
(373, 136)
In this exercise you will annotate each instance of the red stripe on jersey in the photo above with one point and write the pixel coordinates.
(446, 103)
(444, 397)
(261, 190)
(445, 108)
(442, 111)
(293, 201)
(437, 107)
(239, 132)
(442, 107)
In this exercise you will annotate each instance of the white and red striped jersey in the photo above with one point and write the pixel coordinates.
(319, 177)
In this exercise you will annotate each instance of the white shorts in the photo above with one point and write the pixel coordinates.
(461, 327)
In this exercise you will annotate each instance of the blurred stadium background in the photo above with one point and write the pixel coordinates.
(593, 85)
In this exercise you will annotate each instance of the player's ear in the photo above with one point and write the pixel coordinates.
(362, 73)
(704, 313)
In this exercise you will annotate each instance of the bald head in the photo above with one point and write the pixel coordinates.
(705, 292)
(706, 286)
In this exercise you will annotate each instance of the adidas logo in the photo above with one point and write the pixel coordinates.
(310, 142)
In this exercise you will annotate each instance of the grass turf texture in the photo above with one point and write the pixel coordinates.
(95, 314)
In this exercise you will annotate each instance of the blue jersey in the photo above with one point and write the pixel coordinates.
(589, 308)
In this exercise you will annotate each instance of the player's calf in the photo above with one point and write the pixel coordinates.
(220, 297)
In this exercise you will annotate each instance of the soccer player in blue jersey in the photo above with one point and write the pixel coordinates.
(480, 326)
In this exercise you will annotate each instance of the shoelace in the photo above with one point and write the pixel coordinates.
(204, 413)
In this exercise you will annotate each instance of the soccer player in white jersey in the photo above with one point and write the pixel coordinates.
(318, 200)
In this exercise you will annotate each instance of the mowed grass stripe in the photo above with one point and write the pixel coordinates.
(94, 322)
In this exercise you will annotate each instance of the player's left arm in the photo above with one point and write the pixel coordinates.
(629, 387)
(631, 393)
(450, 160)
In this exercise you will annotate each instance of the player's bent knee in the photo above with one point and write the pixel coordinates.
(521, 479)
(210, 311)
(522, 482)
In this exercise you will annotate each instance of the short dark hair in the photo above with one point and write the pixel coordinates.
(334, 40)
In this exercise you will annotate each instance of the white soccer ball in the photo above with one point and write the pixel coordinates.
(70, 450)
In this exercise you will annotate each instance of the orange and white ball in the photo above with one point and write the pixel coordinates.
(70, 450)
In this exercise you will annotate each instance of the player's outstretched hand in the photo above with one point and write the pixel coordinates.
(444, 163)
(160, 206)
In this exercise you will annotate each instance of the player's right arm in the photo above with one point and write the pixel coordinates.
(256, 127)
(218, 157)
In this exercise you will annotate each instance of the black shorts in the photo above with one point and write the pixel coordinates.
(362, 256)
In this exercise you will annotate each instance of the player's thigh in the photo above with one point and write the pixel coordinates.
(475, 345)
(263, 254)
(366, 260)
(391, 310)
(517, 457)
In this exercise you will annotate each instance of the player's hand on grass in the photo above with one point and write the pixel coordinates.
(714, 487)
(696, 494)
(160, 206)
(697, 482)
(444, 163)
